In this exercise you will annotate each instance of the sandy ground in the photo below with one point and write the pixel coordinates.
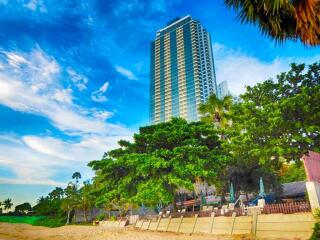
(28, 232)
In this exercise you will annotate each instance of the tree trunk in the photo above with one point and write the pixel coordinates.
(175, 208)
(68, 217)
(85, 215)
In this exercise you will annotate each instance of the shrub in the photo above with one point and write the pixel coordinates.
(101, 217)
(50, 222)
(316, 232)
(316, 212)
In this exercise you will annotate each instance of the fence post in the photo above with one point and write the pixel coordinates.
(195, 223)
(254, 222)
(181, 218)
(149, 224)
(168, 224)
(158, 223)
(142, 223)
(232, 222)
(212, 221)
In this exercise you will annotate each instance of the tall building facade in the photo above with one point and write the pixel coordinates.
(182, 72)
(223, 90)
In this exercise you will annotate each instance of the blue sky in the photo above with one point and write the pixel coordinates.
(74, 78)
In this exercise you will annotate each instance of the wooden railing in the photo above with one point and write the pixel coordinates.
(287, 208)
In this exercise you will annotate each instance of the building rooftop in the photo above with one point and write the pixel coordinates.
(173, 24)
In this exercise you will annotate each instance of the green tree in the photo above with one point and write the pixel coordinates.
(275, 122)
(216, 111)
(76, 176)
(43, 207)
(71, 200)
(161, 159)
(23, 208)
(86, 199)
(282, 20)
(7, 204)
(291, 172)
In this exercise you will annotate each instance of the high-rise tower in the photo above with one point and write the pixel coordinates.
(182, 73)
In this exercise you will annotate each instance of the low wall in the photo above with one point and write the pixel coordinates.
(290, 226)
(119, 223)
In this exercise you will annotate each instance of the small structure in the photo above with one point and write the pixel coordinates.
(312, 166)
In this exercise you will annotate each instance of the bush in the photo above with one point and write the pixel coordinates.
(101, 217)
(316, 232)
(316, 212)
(113, 218)
(50, 222)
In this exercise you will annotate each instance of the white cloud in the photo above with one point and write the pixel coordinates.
(104, 87)
(125, 72)
(63, 95)
(34, 87)
(30, 82)
(15, 60)
(102, 114)
(35, 5)
(241, 70)
(98, 96)
(79, 80)
(37, 160)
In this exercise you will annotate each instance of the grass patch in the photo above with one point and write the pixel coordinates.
(50, 222)
(21, 219)
(35, 220)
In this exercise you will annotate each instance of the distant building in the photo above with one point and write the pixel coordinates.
(182, 73)
(223, 90)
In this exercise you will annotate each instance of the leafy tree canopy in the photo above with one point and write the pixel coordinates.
(279, 120)
(23, 208)
(273, 123)
(161, 159)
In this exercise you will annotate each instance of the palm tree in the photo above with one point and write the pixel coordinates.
(7, 204)
(70, 201)
(216, 111)
(282, 19)
(77, 176)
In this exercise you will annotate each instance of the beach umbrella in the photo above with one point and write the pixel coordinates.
(203, 199)
(232, 198)
(261, 191)
(159, 206)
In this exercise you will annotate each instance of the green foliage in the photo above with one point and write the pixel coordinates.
(51, 222)
(76, 176)
(281, 120)
(316, 212)
(7, 204)
(101, 217)
(292, 172)
(316, 232)
(216, 111)
(34, 220)
(281, 20)
(23, 208)
(161, 159)
(273, 123)
(85, 199)
(21, 219)
(51, 204)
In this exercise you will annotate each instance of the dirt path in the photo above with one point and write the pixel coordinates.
(28, 232)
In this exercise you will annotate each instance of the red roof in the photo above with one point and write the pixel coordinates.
(312, 166)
